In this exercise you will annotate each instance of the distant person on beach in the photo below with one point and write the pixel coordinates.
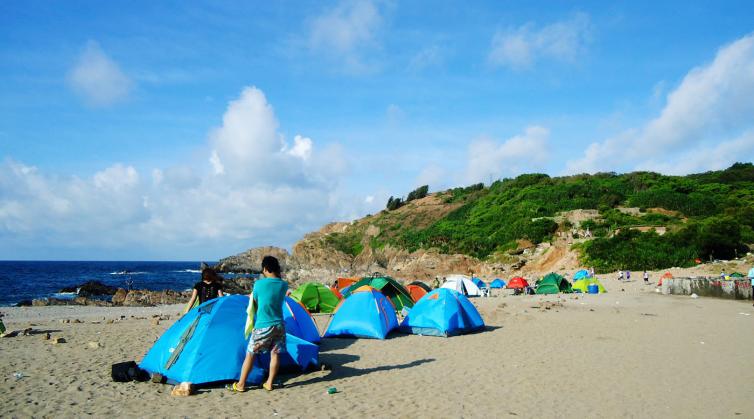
(620, 275)
(628, 275)
(268, 334)
(208, 288)
(591, 272)
(646, 277)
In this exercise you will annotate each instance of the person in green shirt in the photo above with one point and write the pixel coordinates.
(268, 334)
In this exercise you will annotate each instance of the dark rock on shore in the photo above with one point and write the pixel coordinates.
(240, 285)
(251, 260)
(91, 288)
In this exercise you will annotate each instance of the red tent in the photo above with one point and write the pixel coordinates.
(416, 292)
(517, 283)
(336, 292)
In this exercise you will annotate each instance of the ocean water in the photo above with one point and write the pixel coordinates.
(26, 280)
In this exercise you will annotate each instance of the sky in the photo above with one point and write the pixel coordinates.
(135, 130)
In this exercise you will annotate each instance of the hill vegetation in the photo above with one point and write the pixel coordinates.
(704, 216)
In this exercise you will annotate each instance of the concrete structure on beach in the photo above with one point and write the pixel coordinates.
(737, 289)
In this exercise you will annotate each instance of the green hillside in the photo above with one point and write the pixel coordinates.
(707, 215)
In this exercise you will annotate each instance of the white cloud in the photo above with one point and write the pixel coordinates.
(270, 192)
(521, 47)
(346, 32)
(302, 148)
(491, 160)
(97, 78)
(710, 106)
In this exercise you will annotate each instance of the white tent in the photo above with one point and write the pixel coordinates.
(751, 273)
(462, 284)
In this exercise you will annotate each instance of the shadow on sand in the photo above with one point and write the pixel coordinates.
(341, 370)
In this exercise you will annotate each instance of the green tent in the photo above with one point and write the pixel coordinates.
(583, 285)
(736, 275)
(316, 297)
(389, 287)
(553, 283)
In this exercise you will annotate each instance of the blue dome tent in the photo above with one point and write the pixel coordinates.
(581, 275)
(366, 313)
(497, 283)
(207, 345)
(298, 321)
(442, 312)
(479, 283)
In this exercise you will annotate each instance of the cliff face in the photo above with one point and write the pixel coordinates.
(320, 255)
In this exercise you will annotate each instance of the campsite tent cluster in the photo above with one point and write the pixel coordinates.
(208, 343)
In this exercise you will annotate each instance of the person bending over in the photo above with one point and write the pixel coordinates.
(208, 288)
(268, 334)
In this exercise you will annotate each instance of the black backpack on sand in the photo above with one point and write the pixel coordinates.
(123, 372)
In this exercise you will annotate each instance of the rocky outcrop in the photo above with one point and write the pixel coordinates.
(90, 288)
(153, 298)
(78, 301)
(250, 261)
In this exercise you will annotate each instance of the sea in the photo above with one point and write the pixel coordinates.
(27, 280)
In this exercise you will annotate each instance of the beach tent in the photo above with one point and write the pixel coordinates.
(344, 282)
(316, 297)
(389, 287)
(421, 284)
(517, 283)
(366, 313)
(442, 312)
(736, 275)
(751, 273)
(497, 283)
(581, 274)
(479, 283)
(337, 293)
(582, 285)
(298, 321)
(666, 275)
(553, 283)
(208, 344)
(463, 284)
(416, 292)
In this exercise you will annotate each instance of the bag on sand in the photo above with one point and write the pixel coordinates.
(124, 372)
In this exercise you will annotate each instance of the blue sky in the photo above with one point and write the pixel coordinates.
(161, 130)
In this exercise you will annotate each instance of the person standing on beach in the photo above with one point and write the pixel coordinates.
(620, 275)
(646, 277)
(208, 288)
(628, 275)
(268, 334)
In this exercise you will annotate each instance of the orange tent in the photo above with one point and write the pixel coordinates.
(336, 292)
(416, 292)
(667, 275)
(344, 282)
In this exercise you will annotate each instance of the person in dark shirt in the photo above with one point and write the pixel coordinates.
(208, 288)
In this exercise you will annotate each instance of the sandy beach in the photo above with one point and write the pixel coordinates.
(628, 353)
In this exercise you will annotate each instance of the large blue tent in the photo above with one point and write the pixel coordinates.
(208, 344)
(497, 283)
(443, 312)
(581, 275)
(298, 321)
(366, 313)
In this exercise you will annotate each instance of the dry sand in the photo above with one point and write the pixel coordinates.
(631, 353)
